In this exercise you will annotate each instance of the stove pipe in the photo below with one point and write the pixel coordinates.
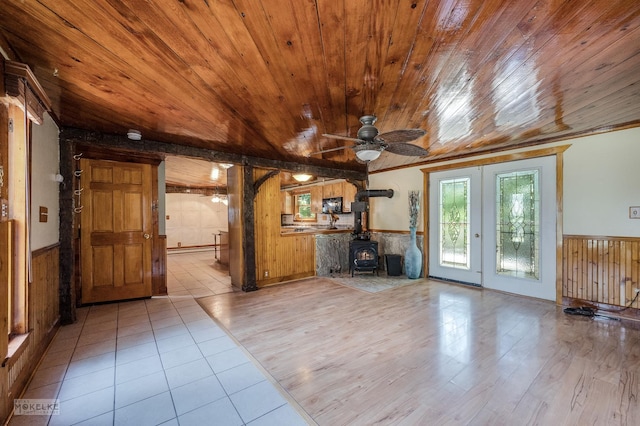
(360, 208)
(373, 193)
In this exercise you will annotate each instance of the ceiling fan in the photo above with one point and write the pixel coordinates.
(370, 143)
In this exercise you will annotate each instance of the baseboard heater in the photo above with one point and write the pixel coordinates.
(454, 281)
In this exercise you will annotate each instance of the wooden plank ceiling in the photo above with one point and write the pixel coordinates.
(193, 173)
(266, 78)
(183, 173)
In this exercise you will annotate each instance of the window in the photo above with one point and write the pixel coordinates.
(16, 186)
(303, 206)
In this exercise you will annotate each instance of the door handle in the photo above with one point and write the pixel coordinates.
(146, 236)
(477, 235)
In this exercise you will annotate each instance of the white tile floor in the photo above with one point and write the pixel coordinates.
(157, 361)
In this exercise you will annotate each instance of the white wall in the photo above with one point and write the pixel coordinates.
(45, 160)
(193, 219)
(601, 182)
(392, 214)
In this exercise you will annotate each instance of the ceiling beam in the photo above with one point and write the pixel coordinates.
(144, 146)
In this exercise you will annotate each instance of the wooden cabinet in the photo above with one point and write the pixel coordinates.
(286, 201)
(348, 196)
(332, 190)
(345, 190)
(316, 199)
(340, 189)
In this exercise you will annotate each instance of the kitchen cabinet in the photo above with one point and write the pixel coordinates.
(286, 200)
(340, 189)
(332, 190)
(348, 196)
(316, 199)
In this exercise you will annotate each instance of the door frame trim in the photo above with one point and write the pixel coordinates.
(544, 152)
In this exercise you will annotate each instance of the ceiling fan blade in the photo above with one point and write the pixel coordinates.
(330, 150)
(402, 148)
(396, 136)
(330, 136)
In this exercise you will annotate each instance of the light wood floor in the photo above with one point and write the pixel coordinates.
(436, 353)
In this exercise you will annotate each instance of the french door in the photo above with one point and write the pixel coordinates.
(455, 200)
(495, 226)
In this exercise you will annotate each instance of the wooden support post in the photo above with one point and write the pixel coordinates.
(248, 237)
(67, 235)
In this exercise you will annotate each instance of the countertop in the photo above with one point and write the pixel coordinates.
(287, 230)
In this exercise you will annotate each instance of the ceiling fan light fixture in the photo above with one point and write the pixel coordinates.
(302, 177)
(369, 143)
(368, 152)
(134, 135)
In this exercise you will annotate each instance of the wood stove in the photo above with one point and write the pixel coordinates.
(363, 256)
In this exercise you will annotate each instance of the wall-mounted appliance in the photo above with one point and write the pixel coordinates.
(332, 205)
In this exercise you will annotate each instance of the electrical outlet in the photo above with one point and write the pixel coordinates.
(634, 212)
(266, 274)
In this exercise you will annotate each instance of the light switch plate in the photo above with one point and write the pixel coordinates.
(634, 212)
(44, 214)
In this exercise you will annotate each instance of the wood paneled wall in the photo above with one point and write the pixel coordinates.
(6, 277)
(159, 259)
(278, 258)
(43, 297)
(601, 269)
(236, 214)
(44, 317)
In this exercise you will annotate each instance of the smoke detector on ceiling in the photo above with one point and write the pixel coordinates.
(134, 135)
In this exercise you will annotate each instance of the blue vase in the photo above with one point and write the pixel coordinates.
(413, 257)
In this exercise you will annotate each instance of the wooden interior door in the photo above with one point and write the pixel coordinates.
(116, 230)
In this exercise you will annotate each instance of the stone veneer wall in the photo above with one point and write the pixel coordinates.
(394, 243)
(332, 250)
(332, 253)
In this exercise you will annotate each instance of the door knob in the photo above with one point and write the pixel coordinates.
(477, 235)
(146, 236)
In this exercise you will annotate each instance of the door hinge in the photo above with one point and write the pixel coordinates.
(11, 125)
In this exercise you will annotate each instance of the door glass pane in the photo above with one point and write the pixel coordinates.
(518, 224)
(454, 223)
